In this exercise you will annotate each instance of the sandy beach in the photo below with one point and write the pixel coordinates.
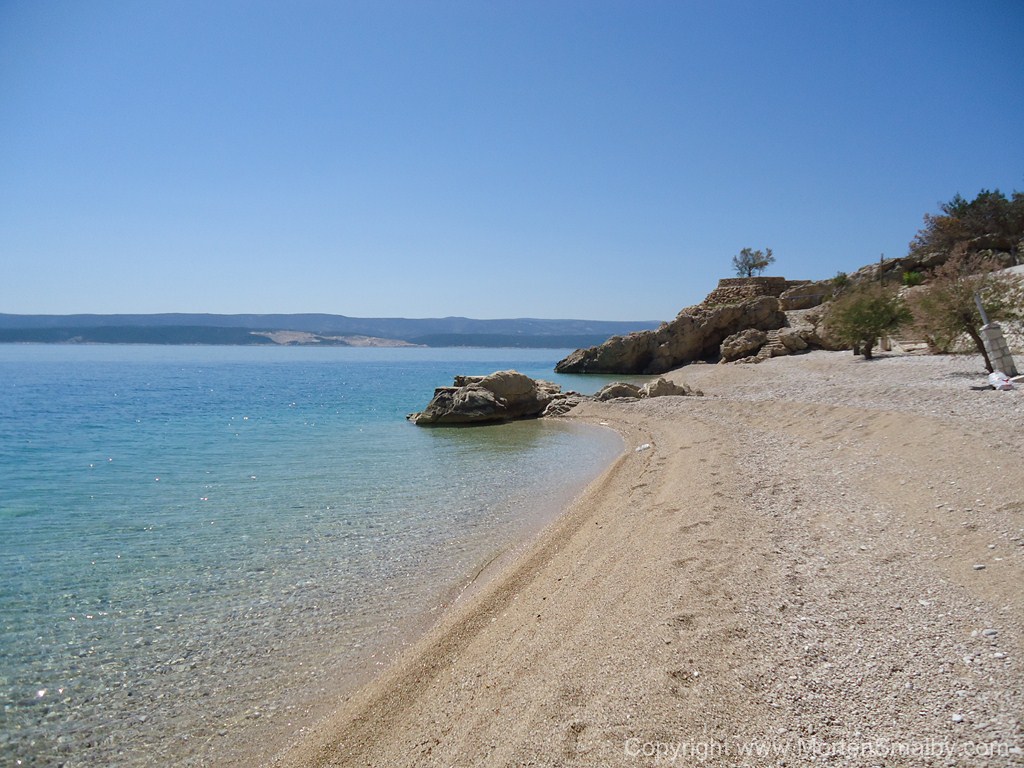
(823, 558)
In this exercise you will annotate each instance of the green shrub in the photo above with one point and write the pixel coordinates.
(860, 316)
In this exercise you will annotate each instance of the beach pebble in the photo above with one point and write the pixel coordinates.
(644, 447)
(979, 566)
(958, 718)
(990, 632)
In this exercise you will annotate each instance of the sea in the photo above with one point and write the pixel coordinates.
(197, 542)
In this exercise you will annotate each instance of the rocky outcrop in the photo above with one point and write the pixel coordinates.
(809, 324)
(806, 295)
(501, 396)
(792, 340)
(659, 388)
(892, 270)
(509, 395)
(802, 332)
(695, 334)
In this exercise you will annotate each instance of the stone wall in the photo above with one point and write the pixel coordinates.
(732, 290)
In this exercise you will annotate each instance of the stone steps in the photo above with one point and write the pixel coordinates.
(909, 346)
(772, 348)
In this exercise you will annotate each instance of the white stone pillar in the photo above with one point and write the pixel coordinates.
(997, 348)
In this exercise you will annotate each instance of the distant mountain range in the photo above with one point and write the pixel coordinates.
(310, 329)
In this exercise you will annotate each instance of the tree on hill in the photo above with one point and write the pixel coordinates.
(860, 316)
(990, 222)
(945, 309)
(749, 262)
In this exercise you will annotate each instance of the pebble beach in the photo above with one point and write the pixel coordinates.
(819, 561)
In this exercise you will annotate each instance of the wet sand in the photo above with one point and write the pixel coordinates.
(820, 558)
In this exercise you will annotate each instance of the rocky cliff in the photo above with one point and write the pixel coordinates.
(696, 334)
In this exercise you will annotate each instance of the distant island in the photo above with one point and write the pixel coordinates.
(311, 330)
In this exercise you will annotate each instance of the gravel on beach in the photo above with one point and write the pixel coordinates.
(819, 562)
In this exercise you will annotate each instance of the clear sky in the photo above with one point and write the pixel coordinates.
(552, 158)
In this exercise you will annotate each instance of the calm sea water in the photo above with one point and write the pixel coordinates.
(195, 539)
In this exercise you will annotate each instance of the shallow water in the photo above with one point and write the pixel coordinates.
(193, 537)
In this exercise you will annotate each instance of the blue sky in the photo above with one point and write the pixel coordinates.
(562, 158)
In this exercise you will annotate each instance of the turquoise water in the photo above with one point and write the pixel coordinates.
(195, 538)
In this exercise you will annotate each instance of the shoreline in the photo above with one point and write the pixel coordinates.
(224, 623)
(543, 517)
(772, 570)
(244, 742)
(468, 611)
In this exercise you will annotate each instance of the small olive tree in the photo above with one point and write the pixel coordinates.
(945, 309)
(860, 316)
(749, 262)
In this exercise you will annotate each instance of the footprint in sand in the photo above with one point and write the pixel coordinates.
(572, 738)
(683, 562)
(692, 526)
(683, 621)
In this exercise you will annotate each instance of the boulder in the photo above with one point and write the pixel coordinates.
(792, 340)
(616, 390)
(562, 404)
(511, 386)
(502, 396)
(666, 388)
(695, 334)
(552, 389)
(460, 405)
(742, 344)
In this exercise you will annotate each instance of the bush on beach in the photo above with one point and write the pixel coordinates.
(860, 316)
